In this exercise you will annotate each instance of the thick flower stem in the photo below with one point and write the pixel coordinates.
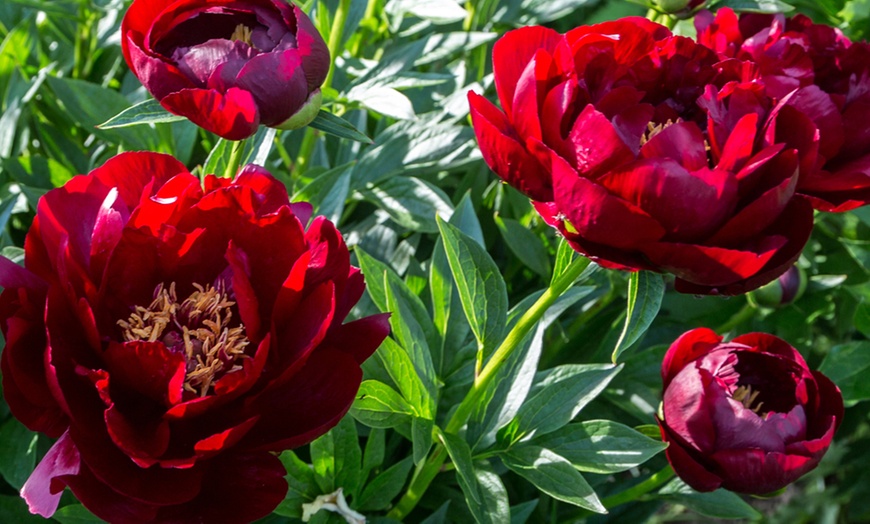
(632, 493)
(336, 34)
(424, 474)
(235, 159)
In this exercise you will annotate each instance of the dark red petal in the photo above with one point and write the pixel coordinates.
(106, 503)
(245, 295)
(312, 49)
(830, 400)
(237, 488)
(766, 343)
(689, 206)
(795, 225)
(14, 276)
(504, 154)
(139, 434)
(277, 83)
(232, 115)
(689, 405)
(272, 193)
(845, 188)
(597, 147)
(713, 266)
(139, 18)
(817, 105)
(739, 146)
(512, 52)
(691, 346)
(167, 205)
(45, 485)
(758, 215)
(296, 411)
(148, 368)
(758, 472)
(362, 337)
(597, 215)
(299, 332)
(159, 77)
(685, 465)
(682, 142)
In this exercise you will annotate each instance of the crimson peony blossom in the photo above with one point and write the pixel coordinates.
(648, 152)
(746, 415)
(172, 337)
(821, 73)
(228, 66)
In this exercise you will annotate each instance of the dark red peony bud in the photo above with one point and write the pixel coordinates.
(228, 66)
(174, 337)
(816, 69)
(747, 415)
(785, 290)
(647, 152)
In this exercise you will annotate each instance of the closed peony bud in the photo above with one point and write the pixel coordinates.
(785, 290)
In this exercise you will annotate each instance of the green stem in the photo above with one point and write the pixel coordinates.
(235, 159)
(746, 313)
(632, 493)
(336, 33)
(425, 473)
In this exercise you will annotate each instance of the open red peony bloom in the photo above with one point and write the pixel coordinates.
(228, 65)
(747, 415)
(831, 79)
(173, 337)
(647, 152)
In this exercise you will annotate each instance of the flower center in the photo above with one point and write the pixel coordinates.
(242, 33)
(200, 326)
(746, 396)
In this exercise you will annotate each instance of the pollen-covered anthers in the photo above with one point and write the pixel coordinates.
(242, 33)
(746, 396)
(199, 326)
(654, 129)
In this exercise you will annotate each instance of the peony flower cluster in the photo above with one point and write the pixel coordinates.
(702, 159)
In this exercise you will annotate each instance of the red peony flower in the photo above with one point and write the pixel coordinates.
(747, 415)
(228, 66)
(174, 336)
(830, 77)
(646, 152)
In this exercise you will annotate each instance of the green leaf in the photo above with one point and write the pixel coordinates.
(328, 192)
(503, 396)
(14, 509)
(90, 104)
(377, 405)
(337, 457)
(719, 504)
(755, 6)
(17, 452)
(524, 244)
(378, 494)
(411, 203)
(601, 446)
(146, 112)
(848, 366)
(553, 475)
(460, 455)
(337, 126)
(75, 514)
(373, 456)
(496, 508)
(441, 45)
(521, 512)
(559, 394)
(862, 319)
(564, 256)
(411, 337)
(421, 438)
(481, 287)
(645, 292)
(399, 366)
(302, 484)
(439, 516)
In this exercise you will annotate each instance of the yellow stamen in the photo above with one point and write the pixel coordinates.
(746, 396)
(242, 33)
(211, 347)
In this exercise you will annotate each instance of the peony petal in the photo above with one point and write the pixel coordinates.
(597, 147)
(362, 337)
(312, 49)
(233, 115)
(148, 368)
(691, 346)
(512, 52)
(758, 472)
(682, 459)
(277, 83)
(45, 485)
(682, 142)
(597, 215)
(504, 154)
